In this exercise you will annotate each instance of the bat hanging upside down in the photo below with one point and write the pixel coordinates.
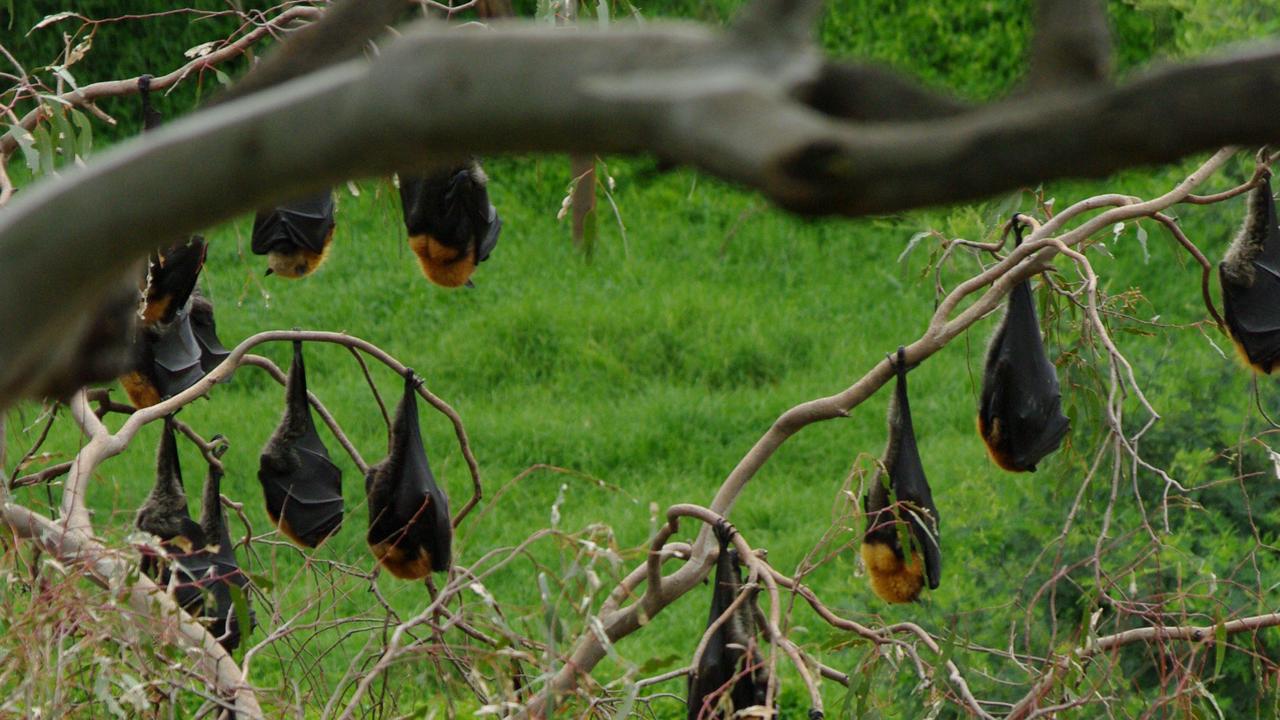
(1020, 412)
(901, 546)
(1250, 277)
(452, 225)
(409, 527)
(295, 236)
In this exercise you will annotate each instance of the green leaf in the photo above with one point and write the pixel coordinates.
(241, 605)
(84, 141)
(222, 77)
(66, 136)
(44, 146)
(653, 665)
(27, 142)
(262, 582)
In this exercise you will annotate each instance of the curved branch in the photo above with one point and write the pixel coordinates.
(103, 445)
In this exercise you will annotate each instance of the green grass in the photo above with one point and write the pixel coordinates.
(648, 372)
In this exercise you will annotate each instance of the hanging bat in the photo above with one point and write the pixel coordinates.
(203, 572)
(167, 355)
(164, 513)
(301, 485)
(409, 527)
(150, 117)
(900, 547)
(452, 225)
(731, 651)
(213, 570)
(1250, 277)
(1020, 411)
(295, 236)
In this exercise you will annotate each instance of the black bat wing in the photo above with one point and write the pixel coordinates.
(1020, 387)
(489, 239)
(469, 210)
(212, 351)
(452, 207)
(716, 666)
(308, 496)
(302, 223)
(176, 357)
(911, 488)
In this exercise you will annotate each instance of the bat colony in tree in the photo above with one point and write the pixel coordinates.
(452, 227)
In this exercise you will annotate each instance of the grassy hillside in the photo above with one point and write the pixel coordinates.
(649, 371)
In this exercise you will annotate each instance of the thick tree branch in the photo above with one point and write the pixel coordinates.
(736, 117)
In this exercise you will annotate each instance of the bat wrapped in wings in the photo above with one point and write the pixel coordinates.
(295, 236)
(1250, 277)
(901, 545)
(730, 675)
(1020, 411)
(301, 485)
(452, 225)
(409, 527)
(204, 574)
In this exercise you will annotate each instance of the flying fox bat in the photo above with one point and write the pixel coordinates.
(409, 527)
(213, 570)
(204, 573)
(731, 651)
(1020, 411)
(900, 547)
(301, 485)
(1250, 277)
(452, 225)
(177, 343)
(164, 513)
(295, 236)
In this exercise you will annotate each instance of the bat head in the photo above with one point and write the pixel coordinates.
(443, 265)
(297, 262)
(894, 577)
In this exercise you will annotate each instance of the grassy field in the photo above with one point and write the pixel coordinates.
(649, 371)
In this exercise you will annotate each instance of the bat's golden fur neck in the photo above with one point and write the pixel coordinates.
(991, 438)
(298, 262)
(140, 390)
(892, 578)
(443, 265)
(402, 564)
